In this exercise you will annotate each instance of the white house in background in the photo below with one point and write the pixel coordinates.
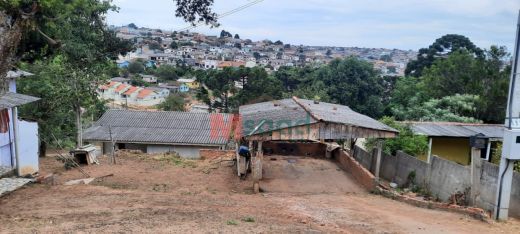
(149, 78)
(250, 64)
(18, 139)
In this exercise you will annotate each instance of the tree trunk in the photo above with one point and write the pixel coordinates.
(10, 37)
(79, 127)
(43, 149)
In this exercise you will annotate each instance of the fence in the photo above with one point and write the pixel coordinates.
(442, 177)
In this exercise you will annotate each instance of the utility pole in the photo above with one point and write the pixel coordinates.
(511, 146)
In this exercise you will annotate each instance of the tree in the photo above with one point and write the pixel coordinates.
(237, 36)
(154, 46)
(386, 58)
(328, 53)
(462, 73)
(132, 25)
(278, 42)
(38, 20)
(174, 102)
(224, 34)
(442, 47)
(256, 55)
(174, 45)
(354, 83)
(407, 141)
(136, 67)
(64, 89)
(169, 72)
(203, 95)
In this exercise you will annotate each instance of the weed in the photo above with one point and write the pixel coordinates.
(248, 219)
(232, 222)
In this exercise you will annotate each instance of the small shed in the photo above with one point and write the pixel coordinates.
(451, 140)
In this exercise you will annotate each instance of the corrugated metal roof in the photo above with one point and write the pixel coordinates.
(287, 112)
(162, 127)
(17, 73)
(11, 99)
(451, 129)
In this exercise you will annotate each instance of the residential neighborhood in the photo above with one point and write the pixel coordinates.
(202, 116)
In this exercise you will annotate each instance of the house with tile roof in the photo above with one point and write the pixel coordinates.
(184, 133)
(125, 94)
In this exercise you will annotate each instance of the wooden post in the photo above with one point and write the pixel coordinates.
(378, 158)
(476, 165)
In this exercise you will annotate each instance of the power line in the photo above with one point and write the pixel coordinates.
(240, 8)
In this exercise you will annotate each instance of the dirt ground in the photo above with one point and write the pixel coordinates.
(165, 195)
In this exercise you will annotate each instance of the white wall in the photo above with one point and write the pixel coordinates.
(185, 151)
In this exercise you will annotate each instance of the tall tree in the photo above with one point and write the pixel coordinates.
(442, 47)
(354, 83)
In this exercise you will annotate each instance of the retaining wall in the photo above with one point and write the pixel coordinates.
(442, 177)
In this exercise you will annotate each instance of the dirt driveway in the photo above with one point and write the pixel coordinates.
(165, 195)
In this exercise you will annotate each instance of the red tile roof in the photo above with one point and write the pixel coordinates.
(131, 90)
(121, 87)
(144, 93)
(112, 83)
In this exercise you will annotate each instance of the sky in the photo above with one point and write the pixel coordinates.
(401, 24)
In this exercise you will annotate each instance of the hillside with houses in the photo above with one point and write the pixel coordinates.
(201, 51)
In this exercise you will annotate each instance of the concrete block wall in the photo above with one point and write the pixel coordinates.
(447, 178)
(442, 177)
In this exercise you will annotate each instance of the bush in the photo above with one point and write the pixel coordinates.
(407, 141)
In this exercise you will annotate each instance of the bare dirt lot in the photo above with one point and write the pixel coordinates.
(165, 195)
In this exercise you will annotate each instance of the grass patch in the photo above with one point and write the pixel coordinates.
(248, 219)
(232, 222)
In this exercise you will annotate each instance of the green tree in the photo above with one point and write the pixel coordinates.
(237, 36)
(169, 72)
(354, 83)
(136, 67)
(174, 45)
(37, 21)
(386, 58)
(132, 25)
(174, 102)
(442, 47)
(407, 141)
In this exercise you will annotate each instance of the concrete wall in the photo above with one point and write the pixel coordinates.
(185, 151)
(442, 177)
(448, 178)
